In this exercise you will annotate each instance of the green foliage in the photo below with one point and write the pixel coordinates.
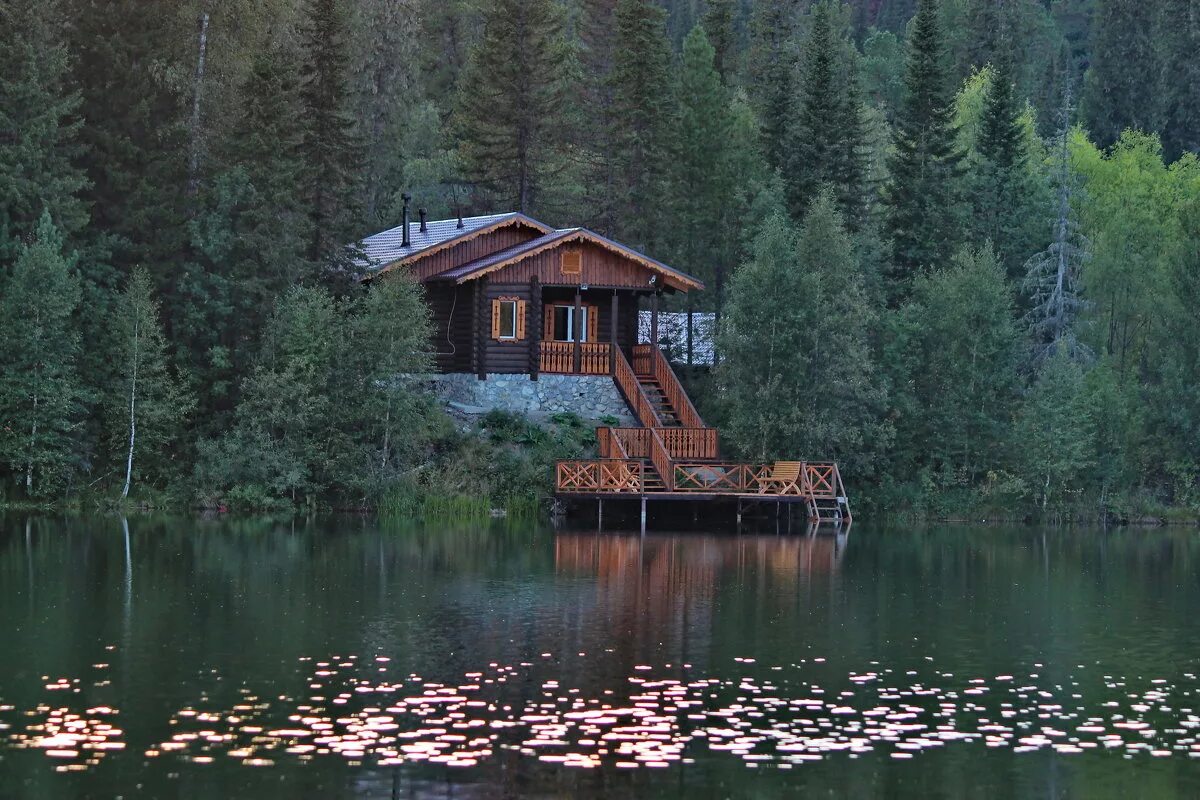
(513, 107)
(1115, 96)
(826, 138)
(41, 399)
(40, 148)
(331, 147)
(922, 197)
(146, 407)
(956, 348)
(798, 378)
(770, 71)
(638, 123)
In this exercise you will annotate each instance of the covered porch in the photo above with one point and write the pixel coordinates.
(587, 331)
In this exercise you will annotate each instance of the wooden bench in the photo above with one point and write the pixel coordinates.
(785, 475)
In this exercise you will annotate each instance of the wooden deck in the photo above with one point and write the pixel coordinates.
(675, 456)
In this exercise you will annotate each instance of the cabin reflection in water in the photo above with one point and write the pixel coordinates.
(663, 575)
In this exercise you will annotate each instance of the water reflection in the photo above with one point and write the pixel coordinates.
(495, 653)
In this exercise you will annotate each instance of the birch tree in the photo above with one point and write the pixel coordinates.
(148, 401)
(41, 399)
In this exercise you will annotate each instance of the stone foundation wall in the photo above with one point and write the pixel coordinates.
(591, 397)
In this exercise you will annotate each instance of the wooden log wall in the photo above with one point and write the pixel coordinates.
(451, 314)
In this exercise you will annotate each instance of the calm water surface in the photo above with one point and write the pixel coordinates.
(342, 658)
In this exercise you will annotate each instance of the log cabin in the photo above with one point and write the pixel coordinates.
(512, 297)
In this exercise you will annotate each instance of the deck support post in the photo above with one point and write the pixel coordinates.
(643, 515)
(577, 365)
(739, 515)
(600, 514)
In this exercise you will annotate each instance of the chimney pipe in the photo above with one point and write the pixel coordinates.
(421, 214)
(404, 242)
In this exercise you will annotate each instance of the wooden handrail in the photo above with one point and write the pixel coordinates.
(662, 460)
(674, 390)
(628, 383)
(681, 443)
(559, 358)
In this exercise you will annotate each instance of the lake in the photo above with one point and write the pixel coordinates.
(348, 658)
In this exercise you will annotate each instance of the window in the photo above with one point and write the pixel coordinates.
(508, 319)
(561, 323)
(572, 262)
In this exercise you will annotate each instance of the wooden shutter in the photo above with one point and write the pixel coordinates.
(495, 319)
(520, 320)
(593, 322)
(548, 329)
(572, 262)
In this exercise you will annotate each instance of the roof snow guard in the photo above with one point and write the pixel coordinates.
(386, 250)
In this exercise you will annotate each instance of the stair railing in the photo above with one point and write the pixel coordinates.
(662, 460)
(674, 391)
(628, 383)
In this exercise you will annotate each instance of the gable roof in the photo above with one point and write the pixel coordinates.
(384, 250)
(482, 266)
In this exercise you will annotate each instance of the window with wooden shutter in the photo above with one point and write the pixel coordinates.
(572, 262)
(508, 319)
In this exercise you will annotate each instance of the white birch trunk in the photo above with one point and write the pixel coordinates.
(132, 405)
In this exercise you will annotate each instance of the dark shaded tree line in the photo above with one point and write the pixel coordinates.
(982, 214)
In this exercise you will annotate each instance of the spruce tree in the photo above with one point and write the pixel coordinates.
(39, 128)
(922, 198)
(799, 377)
(147, 406)
(41, 398)
(1052, 279)
(1002, 182)
(638, 123)
(331, 146)
(719, 27)
(513, 113)
(826, 137)
(702, 178)
(1116, 93)
(770, 71)
(1179, 82)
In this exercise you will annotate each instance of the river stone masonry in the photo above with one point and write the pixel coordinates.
(591, 397)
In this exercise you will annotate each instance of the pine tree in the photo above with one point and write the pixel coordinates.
(512, 113)
(39, 146)
(718, 26)
(1053, 275)
(1179, 81)
(597, 49)
(923, 196)
(147, 405)
(702, 179)
(799, 377)
(984, 21)
(826, 138)
(331, 147)
(1116, 94)
(638, 123)
(41, 399)
(1004, 195)
(123, 62)
(771, 72)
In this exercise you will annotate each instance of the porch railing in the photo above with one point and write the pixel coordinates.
(595, 358)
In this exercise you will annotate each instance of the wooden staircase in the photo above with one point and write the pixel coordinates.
(668, 416)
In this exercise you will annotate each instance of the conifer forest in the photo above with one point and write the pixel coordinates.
(953, 245)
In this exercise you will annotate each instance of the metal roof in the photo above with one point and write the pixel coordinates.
(385, 248)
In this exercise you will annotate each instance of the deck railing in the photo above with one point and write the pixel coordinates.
(681, 443)
(559, 358)
(610, 475)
